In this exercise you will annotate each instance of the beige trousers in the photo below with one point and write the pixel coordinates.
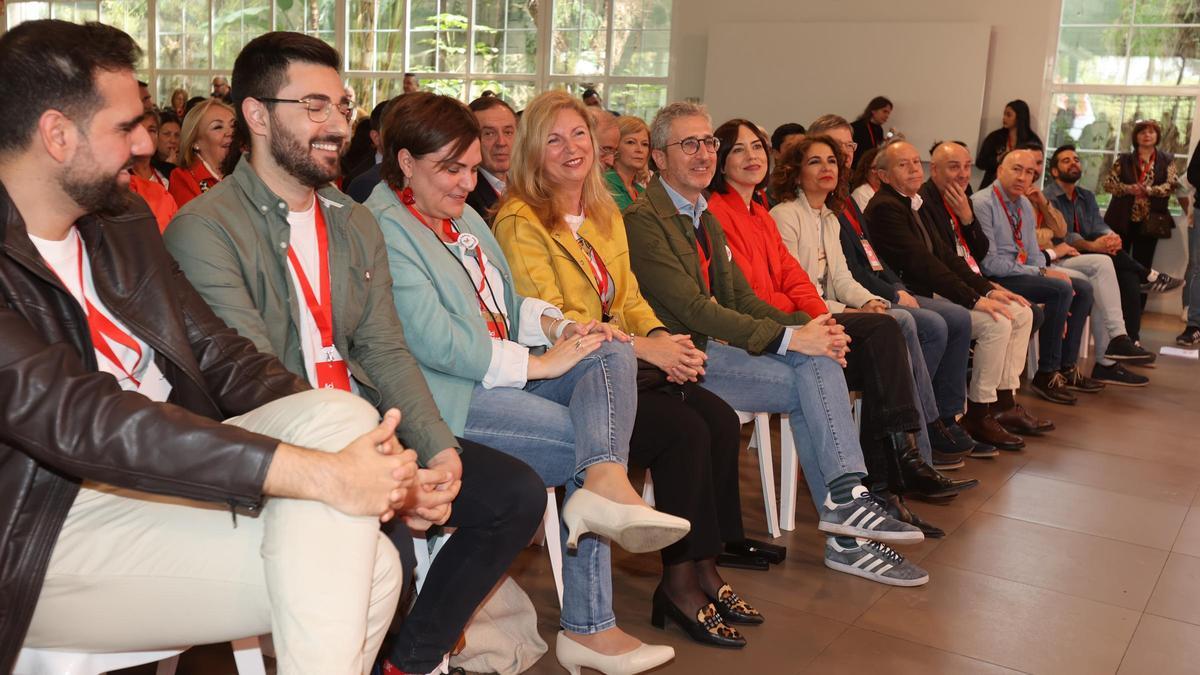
(133, 571)
(1000, 349)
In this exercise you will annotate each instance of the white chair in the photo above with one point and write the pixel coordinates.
(761, 439)
(247, 654)
(553, 541)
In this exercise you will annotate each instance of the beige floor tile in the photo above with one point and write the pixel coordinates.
(1188, 541)
(1005, 623)
(1095, 568)
(864, 651)
(1137, 477)
(1090, 510)
(1163, 647)
(1177, 595)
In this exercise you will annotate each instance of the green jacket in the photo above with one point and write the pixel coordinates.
(232, 245)
(662, 250)
(616, 187)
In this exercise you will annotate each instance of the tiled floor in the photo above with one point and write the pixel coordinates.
(1080, 554)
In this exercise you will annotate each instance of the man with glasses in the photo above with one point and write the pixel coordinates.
(608, 135)
(761, 359)
(300, 269)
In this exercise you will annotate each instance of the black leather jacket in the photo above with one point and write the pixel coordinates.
(63, 421)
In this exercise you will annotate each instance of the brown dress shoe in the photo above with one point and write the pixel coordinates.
(985, 429)
(1017, 420)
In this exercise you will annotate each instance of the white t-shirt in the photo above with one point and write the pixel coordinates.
(303, 242)
(63, 258)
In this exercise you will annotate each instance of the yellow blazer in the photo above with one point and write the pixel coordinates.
(552, 266)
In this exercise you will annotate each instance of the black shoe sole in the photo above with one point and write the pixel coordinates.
(1052, 398)
(1125, 384)
(743, 562)
(1086, 390)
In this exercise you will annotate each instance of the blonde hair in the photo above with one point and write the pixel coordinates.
(527, 179)
(190, 128)
(629, 126)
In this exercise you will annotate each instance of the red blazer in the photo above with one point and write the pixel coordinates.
(187, 183)
(760, 253)
(161, 203)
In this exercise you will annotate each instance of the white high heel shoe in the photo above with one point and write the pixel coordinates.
(636, 528)
(573, 656)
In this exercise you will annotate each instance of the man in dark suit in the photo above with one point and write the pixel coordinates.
(497, 130)
(364, 177)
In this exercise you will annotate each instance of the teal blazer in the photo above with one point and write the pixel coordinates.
(437, 304)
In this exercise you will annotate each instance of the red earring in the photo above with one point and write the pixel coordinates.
(406, 197)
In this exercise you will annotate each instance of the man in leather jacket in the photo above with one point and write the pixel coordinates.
(116, 470)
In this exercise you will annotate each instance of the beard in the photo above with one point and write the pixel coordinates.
(296, 158)
(93, 189)
(1070, 177)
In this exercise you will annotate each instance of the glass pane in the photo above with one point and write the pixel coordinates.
(183, 34)
(505, 38)
(1088, 121)
(360, 15)
(1095, 167)
(641, 53)
(130, 16)
(360, 48)
(1166, 56)
(642, 100)
(77, 12)
(314, 17)
(642, 15)
(1091, 56)
(516, 94)
(236, 22)
(20, 12)
(389, 87)
(453, 88)
(438, 37)
(1096, 11)
(364, 91)
(192, 86)
(1167, 11)
(389, 54)
(1173, 113)
(579, 43)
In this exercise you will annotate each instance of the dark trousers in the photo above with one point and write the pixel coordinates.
(1141, 248)
(878, 366)
(1068, 304)
(497, 510)
(1130, 276)
(689, 439)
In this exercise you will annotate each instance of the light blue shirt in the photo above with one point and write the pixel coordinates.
(1001, 259)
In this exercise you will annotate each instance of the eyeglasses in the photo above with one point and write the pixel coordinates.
(319, 109)
(850, 147)
(691, 146)
(607, 151)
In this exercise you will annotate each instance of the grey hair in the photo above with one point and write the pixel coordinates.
(826, 123)
(660, 128)
(883, 157)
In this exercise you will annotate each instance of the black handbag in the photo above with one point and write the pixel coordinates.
(1158, 225)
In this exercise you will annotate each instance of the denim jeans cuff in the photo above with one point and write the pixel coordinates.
(596, 459)
(610, 622)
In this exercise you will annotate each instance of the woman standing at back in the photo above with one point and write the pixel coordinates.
(868, 128)
(1015, 130)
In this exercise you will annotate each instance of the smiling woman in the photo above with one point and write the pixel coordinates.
(204, 141)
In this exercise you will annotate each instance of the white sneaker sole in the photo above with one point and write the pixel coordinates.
(850, 569)
(836, 529)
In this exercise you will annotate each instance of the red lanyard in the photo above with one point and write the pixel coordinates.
(497, 329)
(1014, 223)
(102, 329)
(1146, 167)
(322, 311)
(871, 131)
(599, 271)
(1075, 211)
(848, 211)
(962, 240)
(704, 260)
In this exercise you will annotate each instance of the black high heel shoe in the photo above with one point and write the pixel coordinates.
(706, 627)
(734, 609)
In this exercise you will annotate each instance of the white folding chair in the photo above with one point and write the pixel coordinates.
(761, 439)
(247, 655)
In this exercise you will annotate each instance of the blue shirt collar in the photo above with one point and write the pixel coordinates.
(693, 211)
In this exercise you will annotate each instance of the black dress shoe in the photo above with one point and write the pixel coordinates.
(706, 626)
(946, 442)
(734, 609)
(923, 480)
(773, 553)
(743, 562)
(1052, 387)
(897, 509)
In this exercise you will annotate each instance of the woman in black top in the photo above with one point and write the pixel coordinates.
(1014, 132)
(868, 128)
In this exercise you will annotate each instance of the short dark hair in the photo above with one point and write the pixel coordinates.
(1066, 147)
(1032, 146)
(728, 133)
(260, 70)
(143, 84)
(168, 117)
(486, 102)
(783, 131)
(588, 92)
(422, 123)
(52, 64)
(378, 112)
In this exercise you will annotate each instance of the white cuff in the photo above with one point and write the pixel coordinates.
(509, 366)
(1051, 254)
(532, 311)
(787, 340)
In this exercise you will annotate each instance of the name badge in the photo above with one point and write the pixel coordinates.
(874, 259)
(469, 241)
(1022, 256)
(966, 255)
(332, 371)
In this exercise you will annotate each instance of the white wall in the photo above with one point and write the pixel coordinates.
(1024, 34)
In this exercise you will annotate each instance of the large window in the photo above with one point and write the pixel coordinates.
(1120, 61)
(513, 48)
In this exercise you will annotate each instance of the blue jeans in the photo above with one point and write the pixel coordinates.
(1191, 295)
(810, 389)
(1067, 304)
(941, 321)
(560, 427)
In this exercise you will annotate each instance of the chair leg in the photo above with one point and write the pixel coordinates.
(553, 541)
(648, 490)
(766, 470)
(247, 655)
(789, 472)
(168, 666)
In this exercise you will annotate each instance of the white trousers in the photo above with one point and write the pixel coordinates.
(1108, 320)
(1000, 349)
(133, 571)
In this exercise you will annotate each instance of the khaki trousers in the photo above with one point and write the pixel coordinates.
(1000, 349)
(133, 571)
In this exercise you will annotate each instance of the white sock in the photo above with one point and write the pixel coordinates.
(1152, 276)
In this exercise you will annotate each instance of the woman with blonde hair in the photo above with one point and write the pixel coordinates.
(629, 174)
(561, 231)
(203, 144)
